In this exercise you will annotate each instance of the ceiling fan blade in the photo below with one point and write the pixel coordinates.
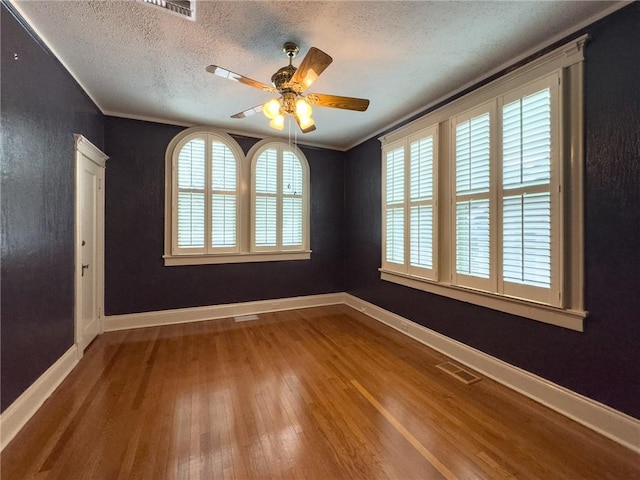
(336, 101)
(236, 77)
(249, 112)
(313, 64)
(308, 129)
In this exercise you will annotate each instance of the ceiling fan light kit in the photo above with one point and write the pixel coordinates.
(291, 82)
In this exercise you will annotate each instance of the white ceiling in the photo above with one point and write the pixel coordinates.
(139, 61)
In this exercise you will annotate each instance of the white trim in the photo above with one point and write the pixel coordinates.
(562, 57)
(214, 312)
(503, 67)
(85, 149)
(172, 153)
(89, 150)
(252, 157)
(27, 404)
(605, 420)
(611, 423)
(230, 131)
(567, 318)
(615, 6)
(57, 56)
(561, 304)
(244, 257)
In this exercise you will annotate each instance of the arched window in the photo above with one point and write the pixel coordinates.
(223, 207)
(279, 198)
(203, 182)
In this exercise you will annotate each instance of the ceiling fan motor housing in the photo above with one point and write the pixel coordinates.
(282, 77)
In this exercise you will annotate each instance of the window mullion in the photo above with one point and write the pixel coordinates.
(208, 155)
(407, 207)
(279, 198)
(495, 202)
(174, 204)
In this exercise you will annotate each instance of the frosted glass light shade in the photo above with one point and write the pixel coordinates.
(306, 122)
(271, 109)
(277, 122)
(303, 109)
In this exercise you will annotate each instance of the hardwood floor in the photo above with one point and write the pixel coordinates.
(319, 393)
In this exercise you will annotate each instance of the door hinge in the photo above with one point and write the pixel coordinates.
(99, 184)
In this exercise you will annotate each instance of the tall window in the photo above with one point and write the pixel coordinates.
(223, 207)
(530, 196)
(409, 213)
(503, 229)
(482, 198)
(205, 214)
(280, 193)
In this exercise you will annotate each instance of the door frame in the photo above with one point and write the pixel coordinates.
(84, 148)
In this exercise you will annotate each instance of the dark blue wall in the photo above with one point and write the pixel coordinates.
(136, 278)
(602, 362)
(41, 108)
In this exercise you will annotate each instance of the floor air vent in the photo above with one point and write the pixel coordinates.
(245, 318)
(459, 373)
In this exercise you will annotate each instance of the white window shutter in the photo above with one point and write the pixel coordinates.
(292, 185)
(473, 254)
(527, 239)
(266, 189)
(473, 152)
(265, 227)
(279, 198)
(526, 205)
(224, 196)
(421, 203)
(395, 206)
(472, 213)
(191, 195)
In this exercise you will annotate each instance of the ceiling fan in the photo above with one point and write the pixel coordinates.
(291, 83)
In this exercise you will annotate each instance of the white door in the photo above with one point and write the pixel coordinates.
(89, 241)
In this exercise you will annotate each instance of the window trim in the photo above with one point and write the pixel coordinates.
(405, 144)
(242, 254)
(252, 158)
(568, 60)
(208, 249)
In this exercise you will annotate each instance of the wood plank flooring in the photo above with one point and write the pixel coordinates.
(319, 393)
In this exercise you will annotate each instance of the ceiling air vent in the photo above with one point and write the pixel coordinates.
(186, 8)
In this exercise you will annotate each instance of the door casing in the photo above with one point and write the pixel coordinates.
(85, 149)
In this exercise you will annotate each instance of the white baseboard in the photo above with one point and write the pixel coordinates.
(26, 405)
(611, 423)
(185, 315)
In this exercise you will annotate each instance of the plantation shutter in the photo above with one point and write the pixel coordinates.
(472, 184)
(205, 216)
(191, 195)
(291, 200)
(527, 199)
(223, 196)
(395, 206)
(265, 205)
(421, 204)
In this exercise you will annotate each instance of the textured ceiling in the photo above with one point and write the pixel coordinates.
(139, 61)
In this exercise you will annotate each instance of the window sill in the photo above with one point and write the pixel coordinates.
(244, 257)
(567, 318)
